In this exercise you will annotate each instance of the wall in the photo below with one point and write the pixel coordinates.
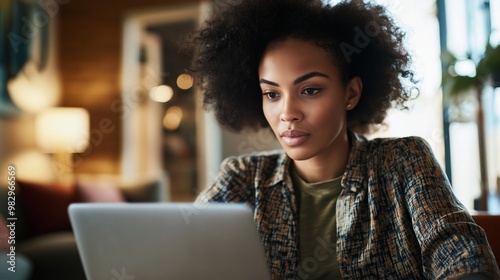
(90, 55)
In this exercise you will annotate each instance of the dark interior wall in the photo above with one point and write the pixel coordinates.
(90, 50)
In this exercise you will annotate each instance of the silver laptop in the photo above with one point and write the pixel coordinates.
(168, 241)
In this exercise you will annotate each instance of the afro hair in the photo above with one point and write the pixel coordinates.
(361, 38)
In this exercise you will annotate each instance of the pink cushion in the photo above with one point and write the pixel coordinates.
(98, 192)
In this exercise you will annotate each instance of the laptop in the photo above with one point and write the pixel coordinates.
(168, 241)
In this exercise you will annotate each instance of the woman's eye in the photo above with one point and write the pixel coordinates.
(311, 91)
(271, 95)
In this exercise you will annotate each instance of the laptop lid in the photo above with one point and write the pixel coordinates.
(168, 241)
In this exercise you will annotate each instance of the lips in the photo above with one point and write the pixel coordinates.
(294, 137)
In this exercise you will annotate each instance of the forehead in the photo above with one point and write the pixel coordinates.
(295, 55)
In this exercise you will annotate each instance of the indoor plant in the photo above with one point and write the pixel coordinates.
(455, 86)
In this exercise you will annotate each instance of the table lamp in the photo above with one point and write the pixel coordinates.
(62, 132)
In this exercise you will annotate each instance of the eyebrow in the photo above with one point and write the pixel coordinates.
(299, 79)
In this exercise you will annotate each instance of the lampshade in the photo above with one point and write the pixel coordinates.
(63, 130)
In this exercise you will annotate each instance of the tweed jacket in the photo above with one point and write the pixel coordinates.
(397, 217)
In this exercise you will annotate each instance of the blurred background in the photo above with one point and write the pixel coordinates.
(96, 106)
(97, 91)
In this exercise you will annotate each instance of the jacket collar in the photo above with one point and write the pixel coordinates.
(281, 171)
(355, 171)
(353, 176)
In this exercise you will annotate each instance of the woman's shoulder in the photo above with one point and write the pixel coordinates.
(390, 150)
(255, 159)
(240, 175)
(397, 144)
(261, 164)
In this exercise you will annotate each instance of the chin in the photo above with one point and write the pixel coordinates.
(298, 154)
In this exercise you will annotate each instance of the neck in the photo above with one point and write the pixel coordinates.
(329, 165)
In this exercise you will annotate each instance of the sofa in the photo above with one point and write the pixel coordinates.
(43, 233)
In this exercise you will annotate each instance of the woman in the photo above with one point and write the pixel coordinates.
(332, 204)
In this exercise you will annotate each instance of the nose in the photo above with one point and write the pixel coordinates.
(290, 111)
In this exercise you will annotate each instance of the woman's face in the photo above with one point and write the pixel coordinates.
(304, 99)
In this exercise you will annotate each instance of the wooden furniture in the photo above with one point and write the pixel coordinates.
(491, 225)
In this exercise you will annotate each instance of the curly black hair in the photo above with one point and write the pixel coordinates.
(361, 38)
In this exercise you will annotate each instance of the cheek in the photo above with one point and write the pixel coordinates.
(272, 117)
(328, 116)
(269, 113)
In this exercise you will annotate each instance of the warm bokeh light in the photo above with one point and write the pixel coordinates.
(34, 91)
(63, 130)
(35, 165)
(185, 81)
(172, 118)
(161, 93)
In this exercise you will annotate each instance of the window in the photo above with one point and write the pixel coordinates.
(467, 26)
(462, 27)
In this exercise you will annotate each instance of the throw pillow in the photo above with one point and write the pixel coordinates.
(47, 205)
(98, 192)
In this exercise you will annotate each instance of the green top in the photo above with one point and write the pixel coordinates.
(317, 228)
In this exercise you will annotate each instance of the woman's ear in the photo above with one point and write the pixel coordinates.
(353, 92)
